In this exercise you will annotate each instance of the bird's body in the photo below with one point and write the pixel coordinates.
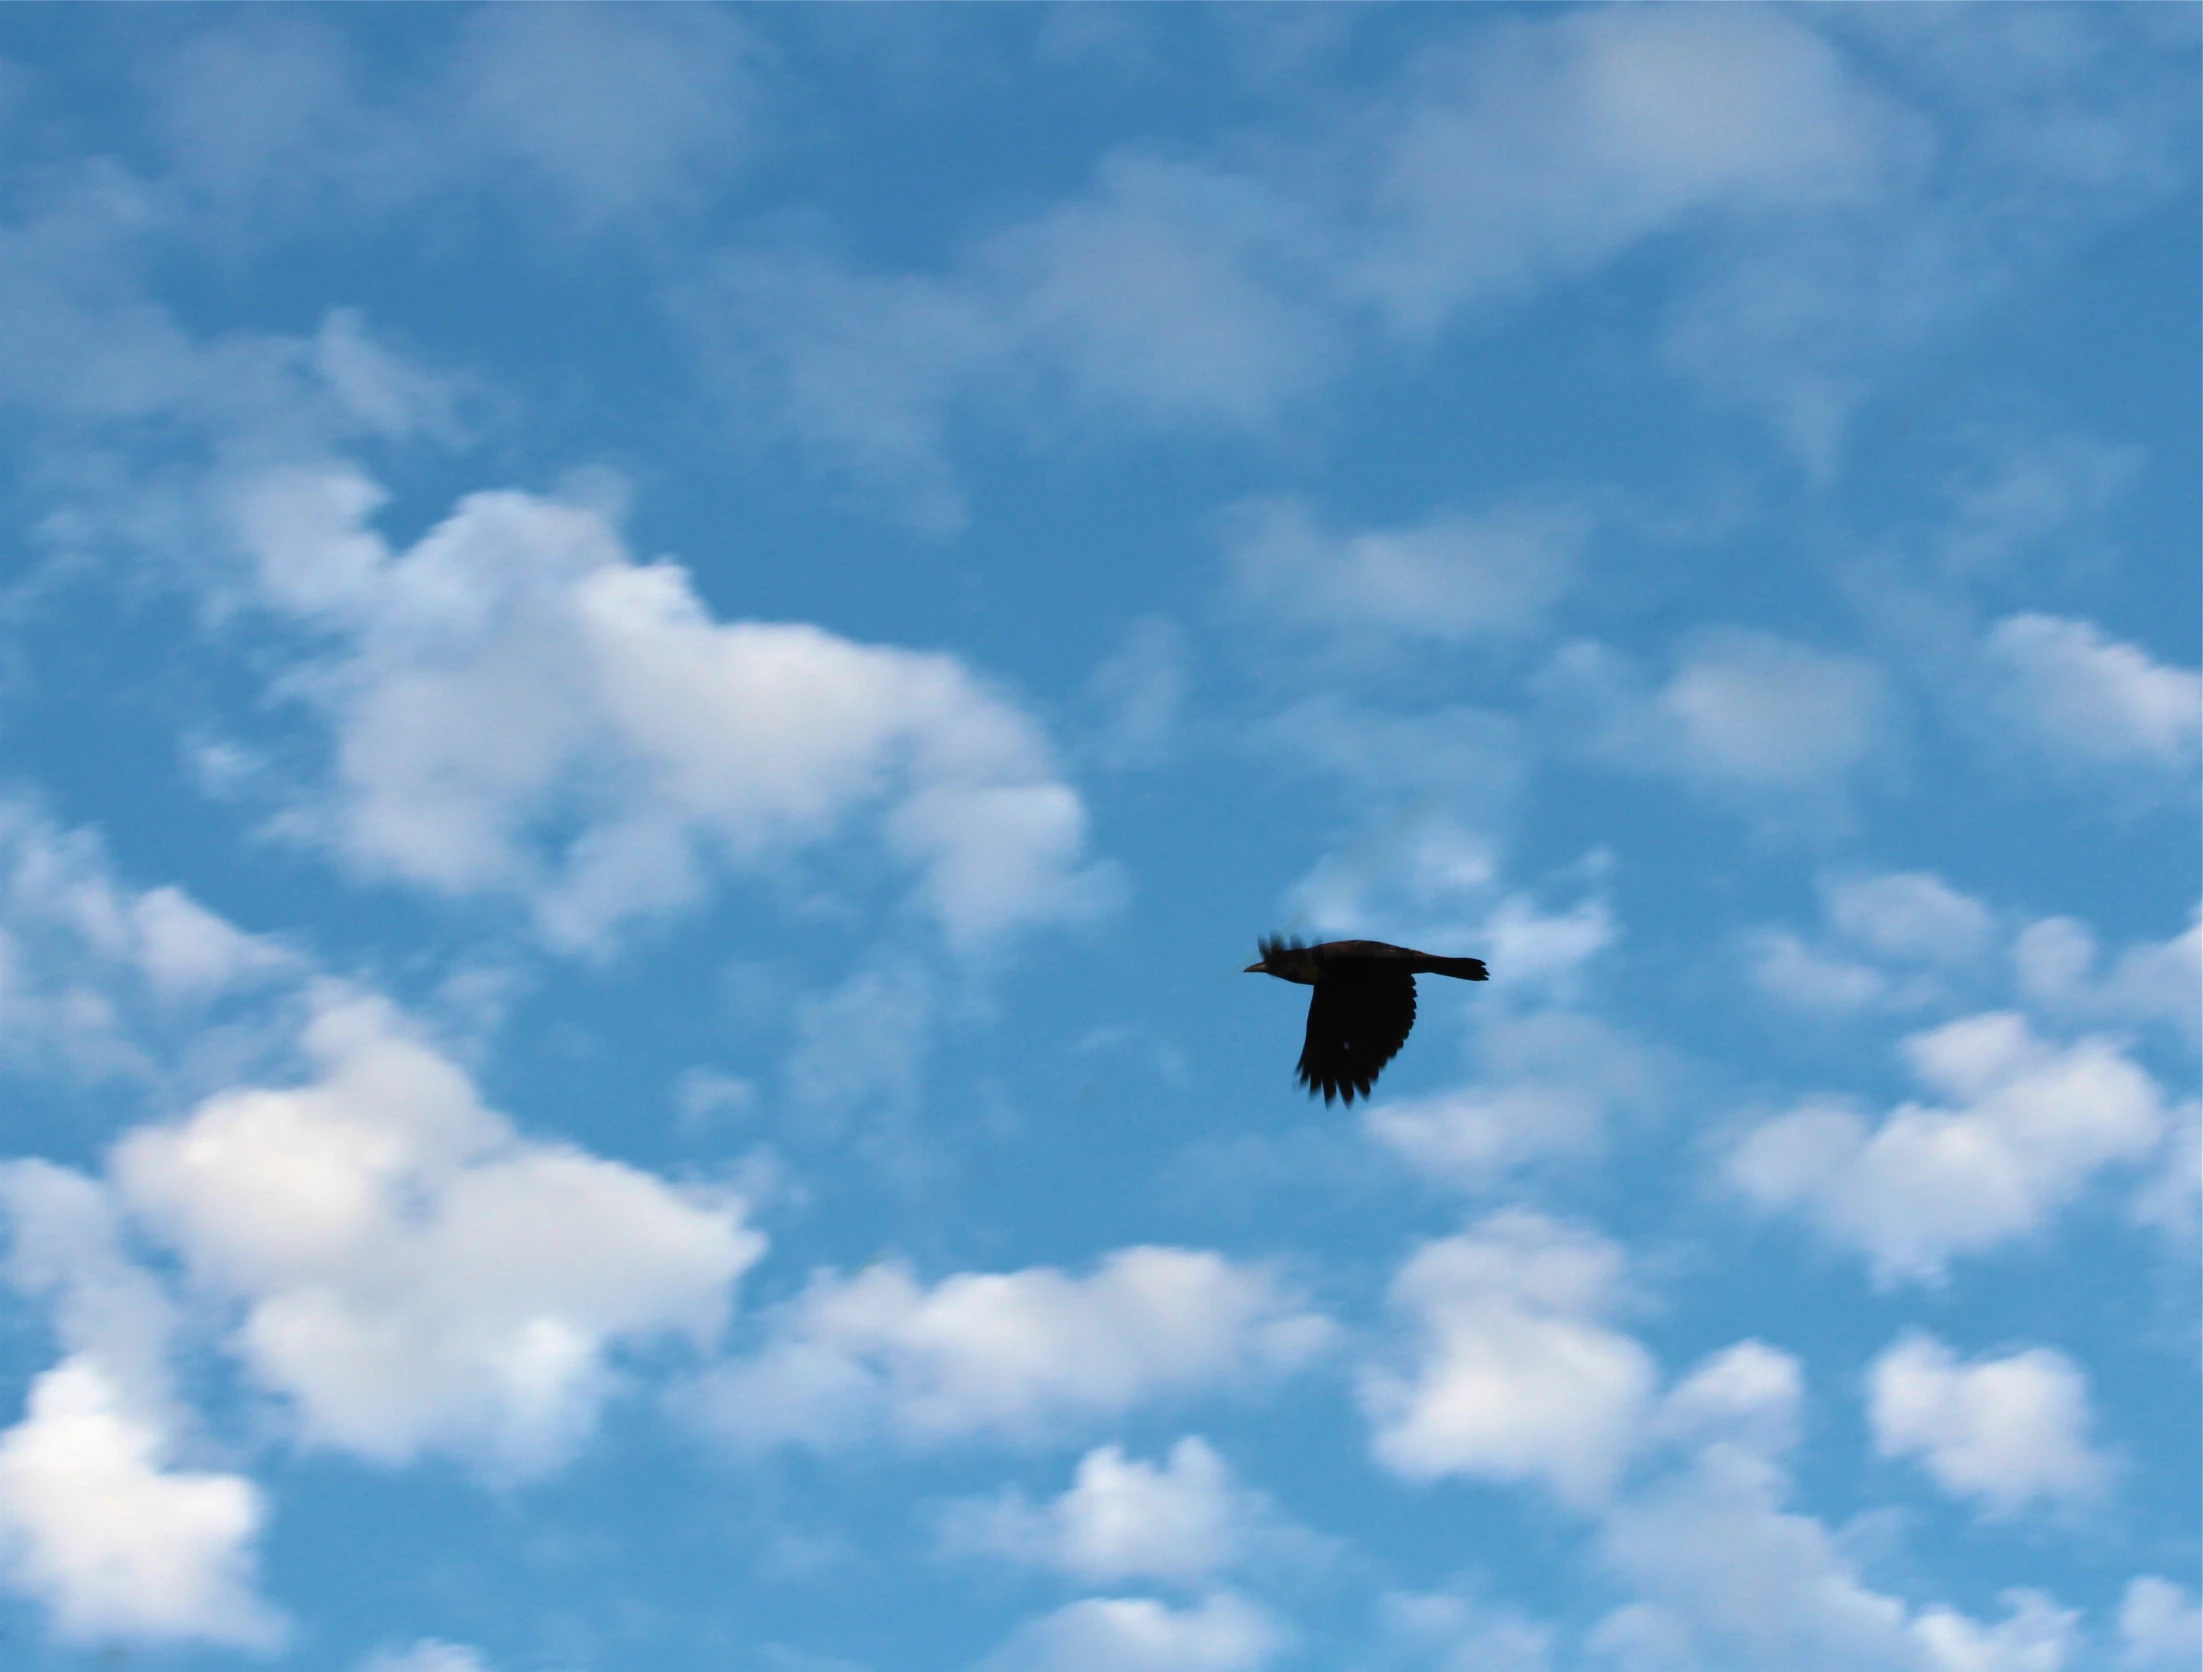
(1362, 1008)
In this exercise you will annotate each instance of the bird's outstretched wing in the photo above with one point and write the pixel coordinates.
(1358, 1018)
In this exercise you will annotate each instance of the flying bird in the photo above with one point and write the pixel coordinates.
(1362, 1007)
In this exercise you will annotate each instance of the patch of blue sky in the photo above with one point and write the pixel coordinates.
(660, 663)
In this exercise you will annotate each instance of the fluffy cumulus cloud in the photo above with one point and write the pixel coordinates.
(1723, 1573)
(1015, 1355)
(98, 1519)
(619, 738)
(412, 1274)
(2025, 1125)
(2091, 703)
(2160, 1627)
(1181, 1520)
(2007, 1432)
(116, 1541)
(1221, 1633)
(1726, 1575)
(1509, 1370)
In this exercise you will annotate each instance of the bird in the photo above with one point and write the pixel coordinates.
(1362, 1007)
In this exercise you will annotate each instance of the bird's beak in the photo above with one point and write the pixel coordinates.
(1252, 969)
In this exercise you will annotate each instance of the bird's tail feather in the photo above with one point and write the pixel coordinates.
(1461, 969)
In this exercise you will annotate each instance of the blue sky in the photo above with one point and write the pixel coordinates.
(660, 663)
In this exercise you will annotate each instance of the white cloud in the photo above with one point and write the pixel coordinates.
(1419, 877)
(708, 1097)
(1811, 978)
(95, 1521)
(1452, 578)
(1911, 916)
(2005, 1431)
(2034, 494)
(1552, 1084)
(1220, 1633)
(111, 1539)
(2027, 1125)
(1725, 1576)
(1454, 1634)
(415, 1276)
(1182, 1521)
(618, 112)
(428, 1655)
(613, 114)
(1893, 941)
(102, 978)
(2035, 1635)
(2037, 132)
(1750, 708)
(1173, 293)
(2173, 1199)
(1548, 950)
(66, 1245)
(1543, 151)
(1219, 296)
(1012, 1354)
(234, 104)
(1414, 874)
(1511, 1373)
(858, 370)
(1829, 227)
(1746, 714)
(2160, 1628)
(2154, 981)
(1748, 1396)
(1170, 295)
(2092, 703)
(620, 737)
(86, 348)
(382, 392)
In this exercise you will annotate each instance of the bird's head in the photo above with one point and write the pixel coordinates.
(1287, 960)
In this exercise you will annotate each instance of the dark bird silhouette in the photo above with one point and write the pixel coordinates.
(1362, 1007)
